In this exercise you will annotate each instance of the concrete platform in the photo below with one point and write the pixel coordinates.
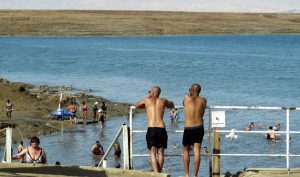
(37, 170)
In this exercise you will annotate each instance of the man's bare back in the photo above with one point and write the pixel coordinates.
(156, 136)
(155, 108)
(194, 107)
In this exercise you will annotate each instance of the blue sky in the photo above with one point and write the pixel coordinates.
(161, 5)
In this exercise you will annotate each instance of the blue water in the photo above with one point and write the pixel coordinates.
(260, 70)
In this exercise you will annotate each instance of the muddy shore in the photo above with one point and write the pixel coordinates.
(33, 104)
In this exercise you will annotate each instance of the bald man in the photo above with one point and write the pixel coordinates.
(194, 108)
(156, 136)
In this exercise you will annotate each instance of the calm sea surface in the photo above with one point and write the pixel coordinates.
(256, 70)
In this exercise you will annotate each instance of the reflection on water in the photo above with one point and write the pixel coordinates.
(73, 146)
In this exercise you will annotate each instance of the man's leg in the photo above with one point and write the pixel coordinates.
(160, 159)
(153, 160)
(186, 159)
(197, 158)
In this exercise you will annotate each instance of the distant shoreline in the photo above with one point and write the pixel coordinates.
(143, 23)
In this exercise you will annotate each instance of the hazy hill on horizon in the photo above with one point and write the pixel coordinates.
(126, 23)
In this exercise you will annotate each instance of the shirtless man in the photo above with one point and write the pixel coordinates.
(194, 108)
(72, 108)
(97, 149)
(156, 136)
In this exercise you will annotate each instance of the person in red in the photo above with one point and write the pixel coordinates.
(84, 111)
(97, 149)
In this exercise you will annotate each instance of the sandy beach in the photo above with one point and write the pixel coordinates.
(33, 104)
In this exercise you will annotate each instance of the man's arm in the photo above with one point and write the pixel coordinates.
(101, 148)
(169, 104)
(140, 104)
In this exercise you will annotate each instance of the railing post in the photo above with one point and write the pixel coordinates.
(288, 140)
(8, 146)
(216, 170)
(126, 147)
(131, 135)
(210, 144)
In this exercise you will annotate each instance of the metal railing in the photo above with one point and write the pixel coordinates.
(123, 130)
(214, 108)
(287, 131)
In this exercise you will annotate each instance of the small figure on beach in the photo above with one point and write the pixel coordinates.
(117, 154)
(73, 109)
(33, 153)
(194, 108)
(20, 149)
(101, 117)
(9, 108)
(156, 136)
(95, 110)
(104, 107)
(84, 112)
(97, 149)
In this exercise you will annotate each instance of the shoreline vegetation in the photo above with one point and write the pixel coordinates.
(142, 23)
(33, 104)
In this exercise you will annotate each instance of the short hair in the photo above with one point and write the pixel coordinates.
(97, 141)
(157, 90)
(36, 139)
(196, 87)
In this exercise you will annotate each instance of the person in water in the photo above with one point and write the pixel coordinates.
(33, 153)
(117, 154)
(156, 136)
(194, 108)
(97, 149)
(205, 151)
(20, 148)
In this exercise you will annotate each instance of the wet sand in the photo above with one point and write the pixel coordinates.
(33, 104)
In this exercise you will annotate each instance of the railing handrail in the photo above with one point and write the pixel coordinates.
(110, 146)
(211, 108)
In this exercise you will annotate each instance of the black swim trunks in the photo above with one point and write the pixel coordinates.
(193, 135)
(157, 137)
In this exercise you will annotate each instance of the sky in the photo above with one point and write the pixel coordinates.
(159, 5)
